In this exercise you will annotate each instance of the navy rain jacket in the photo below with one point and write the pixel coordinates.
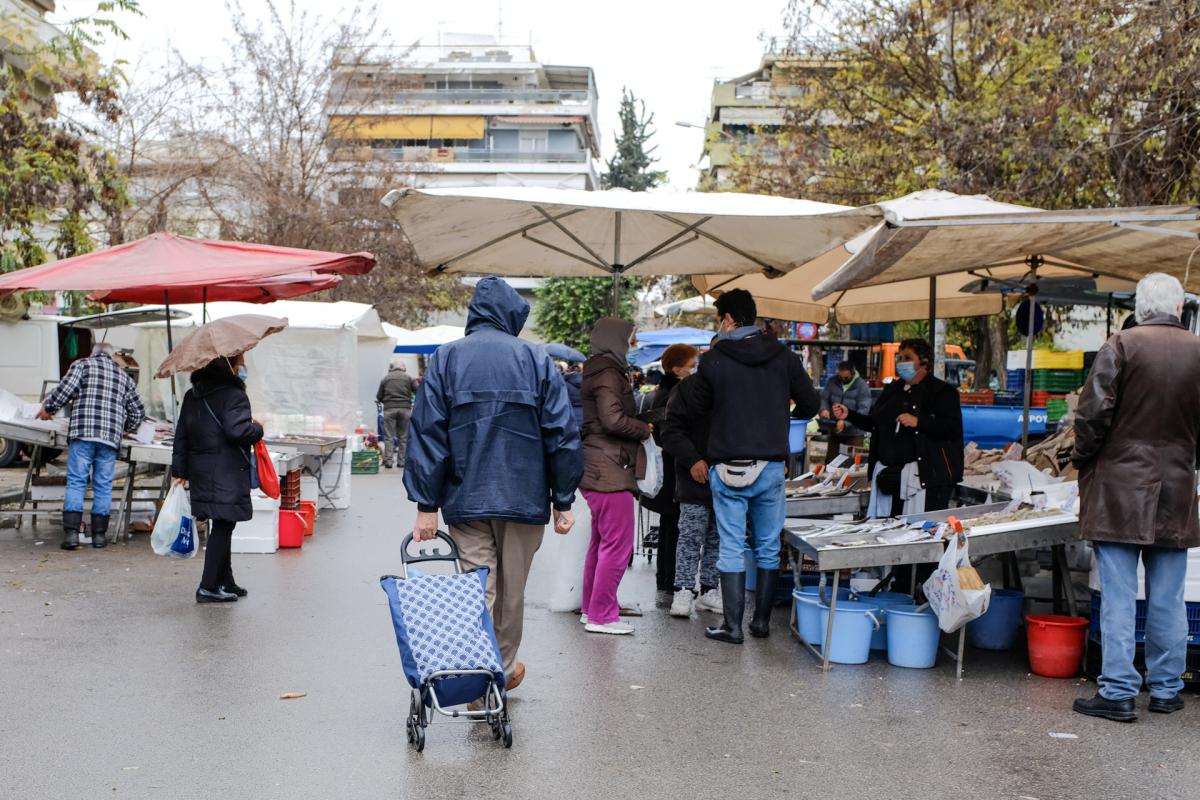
(492, 435)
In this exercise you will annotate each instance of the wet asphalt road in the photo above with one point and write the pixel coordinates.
(115, 684)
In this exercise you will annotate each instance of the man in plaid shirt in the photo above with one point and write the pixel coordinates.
(106, 405)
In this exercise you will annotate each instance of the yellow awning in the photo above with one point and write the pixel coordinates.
(418, 127)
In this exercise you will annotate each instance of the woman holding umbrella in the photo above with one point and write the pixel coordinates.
(214, 436)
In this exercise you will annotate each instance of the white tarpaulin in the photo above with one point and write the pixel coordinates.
(317, 377)
(1125, 243)
(567, 232)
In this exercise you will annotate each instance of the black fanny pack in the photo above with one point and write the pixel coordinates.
(888, 480)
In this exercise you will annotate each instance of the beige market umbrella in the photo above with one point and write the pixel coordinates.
(226, 337)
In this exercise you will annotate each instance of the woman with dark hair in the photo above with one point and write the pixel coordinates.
(678, 361)
(212, 457)
(916, 454)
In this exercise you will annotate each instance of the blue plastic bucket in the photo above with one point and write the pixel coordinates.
(853, 625)
(885, 600)
(808, 613)
(998, 628)
(912, 637)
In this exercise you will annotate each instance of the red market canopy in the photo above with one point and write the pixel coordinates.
(190, 270)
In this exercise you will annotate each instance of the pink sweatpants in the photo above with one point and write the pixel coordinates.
(608, 554)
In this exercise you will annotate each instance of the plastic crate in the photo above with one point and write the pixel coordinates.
(1046, 359)
(1092, 660)
(1057, 380)
(976, 398)
(1056, 409)
(1009, 399)
(365, 462)
(1139, 634)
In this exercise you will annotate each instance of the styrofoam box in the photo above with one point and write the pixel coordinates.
(1191, 584)
(260, 534)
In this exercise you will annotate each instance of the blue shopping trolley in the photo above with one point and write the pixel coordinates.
(447, 642)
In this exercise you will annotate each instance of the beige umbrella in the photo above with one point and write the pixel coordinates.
(226, 337)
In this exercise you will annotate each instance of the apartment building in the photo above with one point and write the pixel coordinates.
(24, 32)
(467, 111)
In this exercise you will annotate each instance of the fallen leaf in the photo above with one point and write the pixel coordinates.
(292, 695)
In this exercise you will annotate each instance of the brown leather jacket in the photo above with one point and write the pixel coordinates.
(613, 458)
(1136, 436)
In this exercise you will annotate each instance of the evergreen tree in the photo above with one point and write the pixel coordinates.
(629, 168)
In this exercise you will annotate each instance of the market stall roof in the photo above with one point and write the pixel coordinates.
(312, 315)
(189, 270)
(1125, 243)
(130, 316)
(423, 341)
(790, 297)
(567, 232)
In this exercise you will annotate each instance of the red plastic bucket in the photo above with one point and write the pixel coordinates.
(291, 529)
(1055, 644)
(308, 510)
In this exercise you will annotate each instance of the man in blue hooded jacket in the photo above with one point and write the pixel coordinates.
(493, 446)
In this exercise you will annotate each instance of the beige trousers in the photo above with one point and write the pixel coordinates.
(506, 549)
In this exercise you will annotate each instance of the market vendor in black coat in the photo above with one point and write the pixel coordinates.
(916, 435)
(213, 439)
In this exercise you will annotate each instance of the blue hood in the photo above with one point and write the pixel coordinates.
(495, 304)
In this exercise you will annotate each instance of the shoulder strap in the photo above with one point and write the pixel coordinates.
(212, 414)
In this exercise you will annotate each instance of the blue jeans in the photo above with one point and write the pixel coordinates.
(100, 461)
(1166, 619)
(765, 503)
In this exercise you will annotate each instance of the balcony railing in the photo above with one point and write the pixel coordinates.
(458, 154)
(427, 97)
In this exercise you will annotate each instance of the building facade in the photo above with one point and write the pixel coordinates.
(465, 112)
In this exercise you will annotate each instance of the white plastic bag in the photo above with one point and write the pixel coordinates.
(954, 605)
(652, 484)
(174, 533)
(567, 554)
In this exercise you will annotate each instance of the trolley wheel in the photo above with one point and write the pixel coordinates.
(420, 739)
(408, 730)
(507, 735)
(495, 726)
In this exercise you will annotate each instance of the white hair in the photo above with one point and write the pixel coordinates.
(102, 349)
(400, 365)
(1158, 294)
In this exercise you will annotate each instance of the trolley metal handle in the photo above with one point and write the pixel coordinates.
(424, 554)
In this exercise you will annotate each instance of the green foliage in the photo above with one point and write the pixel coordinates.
(567, 308)
(53, 181)
(629, 168)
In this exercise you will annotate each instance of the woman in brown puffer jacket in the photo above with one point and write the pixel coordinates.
(612, 464)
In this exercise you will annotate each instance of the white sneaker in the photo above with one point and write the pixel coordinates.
(583, 619)
(681, 604)
(710, 601)
(614, 628)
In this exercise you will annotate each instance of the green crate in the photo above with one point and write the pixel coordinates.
(1057, 380)
(364, 462)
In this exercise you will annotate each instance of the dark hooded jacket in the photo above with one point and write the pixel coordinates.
(744, 387)
(212, 445)
(574, 381)
(685, 438)
(612, 433)
(492, 437)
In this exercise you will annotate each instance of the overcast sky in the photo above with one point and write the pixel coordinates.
(666, 51)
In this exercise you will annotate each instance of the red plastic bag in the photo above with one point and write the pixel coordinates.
(268, 479)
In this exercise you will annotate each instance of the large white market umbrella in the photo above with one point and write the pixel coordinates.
(573, 233)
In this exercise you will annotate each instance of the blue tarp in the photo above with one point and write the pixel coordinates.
(670, 336)
(416, 349)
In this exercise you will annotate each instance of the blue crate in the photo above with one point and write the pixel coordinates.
(1009, 399)
(1193, 618)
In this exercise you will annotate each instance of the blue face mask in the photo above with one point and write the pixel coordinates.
(243, 372)
(906, 370)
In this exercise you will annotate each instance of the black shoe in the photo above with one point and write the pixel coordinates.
(232, 588)
(733, 600)
(99, 530)
(1166, 705)
(764, 602)
(218, 596)
(71, 522)
(387, 466)
(1116, 710)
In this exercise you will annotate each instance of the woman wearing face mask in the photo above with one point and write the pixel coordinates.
(916, 453)
(678, 362)
(212, 457)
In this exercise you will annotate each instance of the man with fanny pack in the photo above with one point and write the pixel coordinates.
(744, 385)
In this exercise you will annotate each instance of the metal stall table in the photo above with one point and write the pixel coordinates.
(316, 452)
(828, 506)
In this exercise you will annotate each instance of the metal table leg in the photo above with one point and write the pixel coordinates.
(34, 457)
(962, 640)
(125, 516)
(837, 580)
(1063, 575)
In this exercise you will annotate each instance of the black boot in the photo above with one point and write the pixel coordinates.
(733, 598)
(99, 530)
(71, 522)
(217, 596)
(764, 601)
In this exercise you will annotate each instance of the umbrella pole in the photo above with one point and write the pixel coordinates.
(204, 305)
(616, 287)
(170, 347)
(1108, 318)
(1028, 375)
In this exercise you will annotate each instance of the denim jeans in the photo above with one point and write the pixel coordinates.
(100, 461)
(766, 504)
(1166, 619)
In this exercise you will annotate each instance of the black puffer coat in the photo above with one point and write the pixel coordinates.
(212, 450)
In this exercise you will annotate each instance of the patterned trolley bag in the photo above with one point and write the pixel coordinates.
(447, 643)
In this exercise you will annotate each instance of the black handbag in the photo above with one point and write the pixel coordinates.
(888, 480)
